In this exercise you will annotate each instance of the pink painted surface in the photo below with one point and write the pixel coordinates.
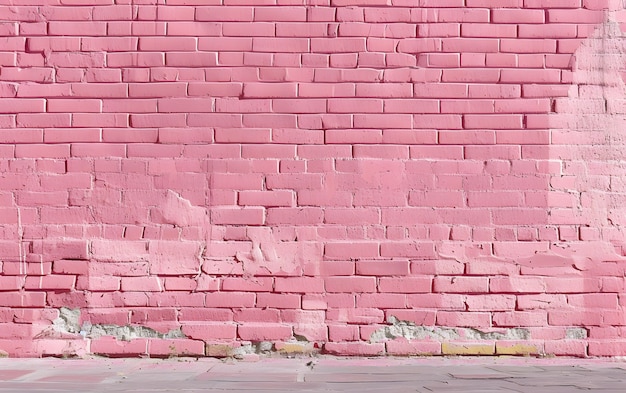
(351, 173)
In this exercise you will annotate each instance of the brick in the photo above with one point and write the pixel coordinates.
(238, 216)
(355, 348)
(266, 198)
(439, 267)
(299, 285)
(541, 301)
(517, 285)
(402, 347)
(146, 284)
(351, 250)
(279, 301)
(520, 318)
(172, 299)
(265, 90)
(594, 300)
(405, 284)
(50, 282)
(468, 348)
(575, 318)
(175, 347)
(519, 348)
(382, 300)
(209, 331)
(264, 332)
(382, 268)
(111, 347)
(572, 285)
(97, 283)
(23, 300)
(24, 105)
(576, 348)
(392, 90)
(514, 16)
(257, 315)
(303, 215)
(350, 284)
(256, 284)
(530, 76)
(490, 302)
(461, 284)
(69, 249)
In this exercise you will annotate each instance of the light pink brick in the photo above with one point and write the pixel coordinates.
(264, 332)
(299, 285)
(382, 268)
(350, 284)
(403, 347)
(266, 198)
(111, 347)
(355, 348)
(405, 284)
(577, 348)
(461, 284)
(464, 319)
(175, 347)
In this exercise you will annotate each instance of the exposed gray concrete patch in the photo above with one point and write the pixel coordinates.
(68, 322)
(410, 331)
(576, 333)
(127, 333)
(504, 334)
(260, 348)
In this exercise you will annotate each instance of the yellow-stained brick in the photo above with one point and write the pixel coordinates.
(468, 348)
(219, 350)
(519, 349)
(295, 348)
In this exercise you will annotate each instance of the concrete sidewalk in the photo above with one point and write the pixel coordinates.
(319, 374)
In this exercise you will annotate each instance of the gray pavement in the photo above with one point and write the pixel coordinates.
(317, 374)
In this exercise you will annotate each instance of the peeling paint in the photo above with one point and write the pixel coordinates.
(179, 211)
(268, 255)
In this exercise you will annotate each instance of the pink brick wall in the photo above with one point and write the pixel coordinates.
(365, 176)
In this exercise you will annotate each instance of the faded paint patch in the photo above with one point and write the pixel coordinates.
(593, 117)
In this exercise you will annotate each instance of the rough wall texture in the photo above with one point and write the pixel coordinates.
(223, 177)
